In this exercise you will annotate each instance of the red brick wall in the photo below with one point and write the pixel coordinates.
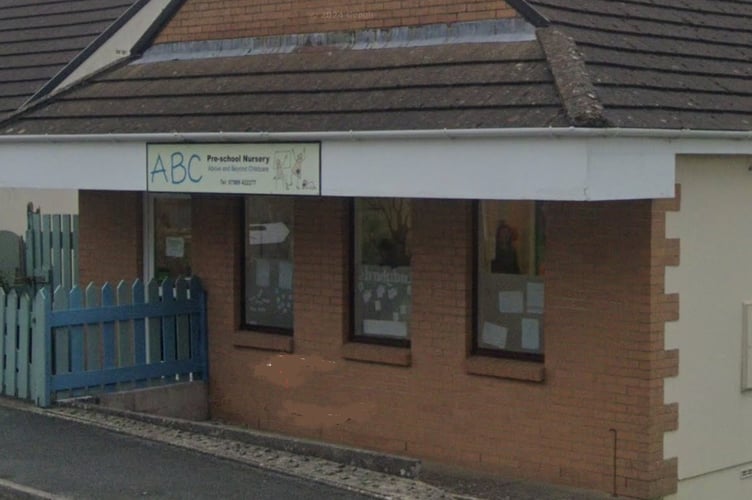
(604, 348)
(605, 360)
(225, 19)
(110, 236)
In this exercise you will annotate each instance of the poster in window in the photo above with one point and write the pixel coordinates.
(383, 278)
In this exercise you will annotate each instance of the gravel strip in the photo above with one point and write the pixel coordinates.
(342, 476)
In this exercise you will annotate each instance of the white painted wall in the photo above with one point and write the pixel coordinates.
(714, 439)
(13, 202)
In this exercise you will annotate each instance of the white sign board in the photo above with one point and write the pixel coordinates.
(257, 168)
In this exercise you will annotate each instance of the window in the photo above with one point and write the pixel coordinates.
(269, 263)
(509, 285)
(382, 282)
(172, 236)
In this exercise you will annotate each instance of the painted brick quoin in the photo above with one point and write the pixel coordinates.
(604, 323)
(226, 19)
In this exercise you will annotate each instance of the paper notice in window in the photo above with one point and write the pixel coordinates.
(263, 270)
(530, 334)
(510, 302)
(535, 298)
(493, 335)
(174, 247)
(285, 275)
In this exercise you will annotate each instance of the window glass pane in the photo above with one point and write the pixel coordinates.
(510, 277)
(172, 237)
(269, 261)
(383, 285)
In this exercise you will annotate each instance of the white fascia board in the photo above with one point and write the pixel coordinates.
(630, 169)
(536, 168)
(74, 165)
(554, 167)
(119, 45)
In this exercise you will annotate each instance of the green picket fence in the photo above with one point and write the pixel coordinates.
(77, 342)
(51, 250)
(15, 344)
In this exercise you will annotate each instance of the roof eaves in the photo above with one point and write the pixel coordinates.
(575, 87)
(42, 100)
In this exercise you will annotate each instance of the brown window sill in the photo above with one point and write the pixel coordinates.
(373, 353)
(513, 369)
(263, 341)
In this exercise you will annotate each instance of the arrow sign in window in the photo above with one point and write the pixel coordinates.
(268, 234)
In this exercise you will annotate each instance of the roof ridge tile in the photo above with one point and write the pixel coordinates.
(572, 80)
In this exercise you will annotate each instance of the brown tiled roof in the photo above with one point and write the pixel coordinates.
(677, 64)
(680, 64)
(39, 38)
(445, 86)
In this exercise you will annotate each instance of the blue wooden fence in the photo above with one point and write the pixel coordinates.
(79, 342)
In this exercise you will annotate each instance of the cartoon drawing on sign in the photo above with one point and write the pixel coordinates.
(289, 170)
(283, 166)
(297, 170)
(279, 174)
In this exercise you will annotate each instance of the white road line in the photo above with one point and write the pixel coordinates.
(10, 486)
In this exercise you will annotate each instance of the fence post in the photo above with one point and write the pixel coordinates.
(11, 347)
(66, 279)
(154, 325)
(168, 322)
(73, 265)
(61, 338)
(139, 325)
(182, 322)
(24, 338)
(41, 353)
(124, 328)
(108, 330)
(77, 356)
(94, 341)
(2, 337)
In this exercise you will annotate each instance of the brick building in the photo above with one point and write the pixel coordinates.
(481, 233)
